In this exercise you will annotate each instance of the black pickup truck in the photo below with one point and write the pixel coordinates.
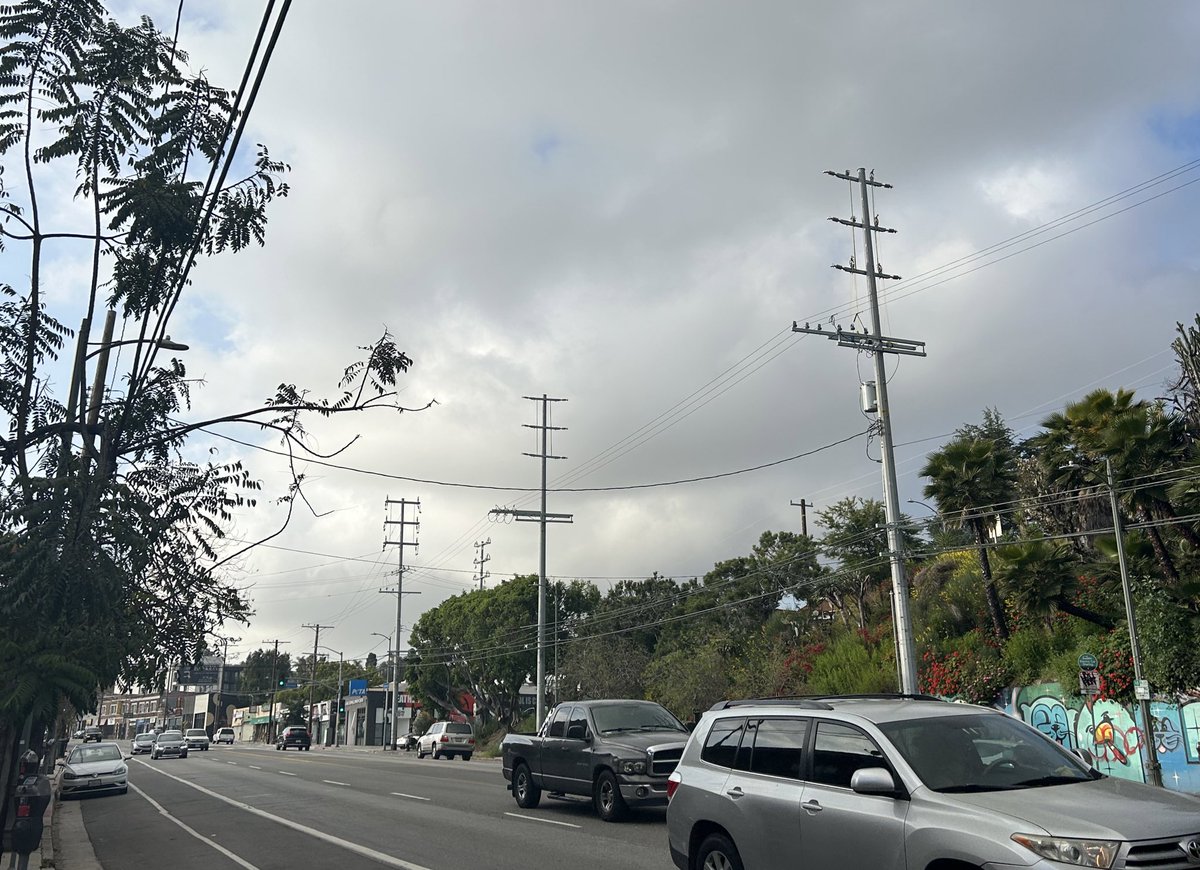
(619, 753)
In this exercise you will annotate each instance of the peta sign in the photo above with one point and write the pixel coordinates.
(358, 687)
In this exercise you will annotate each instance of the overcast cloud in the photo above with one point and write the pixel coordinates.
(615, 203)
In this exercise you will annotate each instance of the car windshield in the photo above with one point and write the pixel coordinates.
(171, 735)
(89, 754)
(634, 716)
(983, 752)
(197, 732)
(144, 738)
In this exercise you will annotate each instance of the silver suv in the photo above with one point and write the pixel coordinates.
(907, 782)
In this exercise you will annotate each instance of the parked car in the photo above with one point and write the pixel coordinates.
(94, 770)
(196, 738)
(143, 742)
(907, 782)
(169, 743)
(294, 735)
(92, 734)
(447, 740)
(617, 752)
(223, 735)
(78, 735)
(407, 742)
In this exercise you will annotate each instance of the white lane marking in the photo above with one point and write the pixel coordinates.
(255, 767)
(334, 782)
(234, 763)
(547, 821)
(203, 839)
(411, 796)
(285, 773)
(381, 857)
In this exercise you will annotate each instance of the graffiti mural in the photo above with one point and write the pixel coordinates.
(1114, 734)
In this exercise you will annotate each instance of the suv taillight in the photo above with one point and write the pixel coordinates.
(445, 738)
(673, 783)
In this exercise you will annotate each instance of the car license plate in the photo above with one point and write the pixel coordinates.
(93, 783)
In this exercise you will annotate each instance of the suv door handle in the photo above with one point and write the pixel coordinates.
(811, 807)
(735, 792)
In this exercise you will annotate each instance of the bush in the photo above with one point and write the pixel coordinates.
(853, 664)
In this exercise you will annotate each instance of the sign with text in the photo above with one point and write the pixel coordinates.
(358, 687)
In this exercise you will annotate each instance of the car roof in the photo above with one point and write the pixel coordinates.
(873, 708)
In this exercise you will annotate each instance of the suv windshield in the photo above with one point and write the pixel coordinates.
(983, 752)
(634, 717)
(197, 732)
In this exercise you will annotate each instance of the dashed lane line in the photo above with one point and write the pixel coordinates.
(410, 796)
(334, 782)
(285, 773)
(255, 767)
(547, 821)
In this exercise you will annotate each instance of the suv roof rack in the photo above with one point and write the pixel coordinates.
(820, 702)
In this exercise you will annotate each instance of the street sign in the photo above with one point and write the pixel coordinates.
(1088, 662)
(1089, 681)
(1141, 690)
(291, 684)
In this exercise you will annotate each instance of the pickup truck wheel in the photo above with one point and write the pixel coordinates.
(527, 793)
(610, 806)
(717, 852)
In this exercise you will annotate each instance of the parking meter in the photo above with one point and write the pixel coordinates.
(30, 800)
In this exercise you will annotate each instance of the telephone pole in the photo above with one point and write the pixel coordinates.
(803, 505)
(481, 561)
(877, 344)
(402, 524)
(274, 687)
(224, 643)
(312, 684)
(540, 517)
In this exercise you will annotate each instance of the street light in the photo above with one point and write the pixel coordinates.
(1155, 769)
(391, 729)
(337, 711)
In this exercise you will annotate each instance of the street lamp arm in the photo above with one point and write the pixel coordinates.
(163, 343)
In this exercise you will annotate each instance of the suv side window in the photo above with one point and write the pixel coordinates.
(721, 743)
(778, 748)
(558, 726)
(840, 750)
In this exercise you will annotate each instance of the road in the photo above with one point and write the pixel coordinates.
(254, 808)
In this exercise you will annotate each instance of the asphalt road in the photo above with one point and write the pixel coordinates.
(258, 809)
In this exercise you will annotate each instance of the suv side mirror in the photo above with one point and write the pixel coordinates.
(873, 780)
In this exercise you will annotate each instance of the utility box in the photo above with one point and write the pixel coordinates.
(869, 396)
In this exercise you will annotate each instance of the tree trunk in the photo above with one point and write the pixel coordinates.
(1160, 549)
(995, 608)
(1083, 613)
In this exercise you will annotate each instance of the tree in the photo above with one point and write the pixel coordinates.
(110, 535)
(261, 672)
(971, 479)
(1042, 578)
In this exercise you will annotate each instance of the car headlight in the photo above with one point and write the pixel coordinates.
(633, 767)
(121, 771)
(68, 775)
(1079, 853)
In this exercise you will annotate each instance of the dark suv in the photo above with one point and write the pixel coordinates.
(294, 735)
(92, 734)
(908, 782)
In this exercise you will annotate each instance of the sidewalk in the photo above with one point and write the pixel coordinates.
(68, 847)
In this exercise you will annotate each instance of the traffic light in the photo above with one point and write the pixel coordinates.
(282, 682)
(341, 708)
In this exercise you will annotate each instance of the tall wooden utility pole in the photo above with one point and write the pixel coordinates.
(875, 399)
(402, 524)
(312, 683)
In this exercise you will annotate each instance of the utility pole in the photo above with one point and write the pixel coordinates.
(877, 344)
(224, 643)
(274, 687)
(803, 505)
(1141, 689)
(402, 524)
(312, 683)
(540, 517)
(481, 561)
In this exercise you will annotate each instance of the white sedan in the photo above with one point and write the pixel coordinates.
(95, 768)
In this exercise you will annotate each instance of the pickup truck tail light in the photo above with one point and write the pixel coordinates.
(673, 783)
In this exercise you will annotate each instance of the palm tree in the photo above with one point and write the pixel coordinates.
(1042, 578)
(968, 478)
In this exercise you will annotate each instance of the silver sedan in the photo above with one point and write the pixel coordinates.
(95, 768)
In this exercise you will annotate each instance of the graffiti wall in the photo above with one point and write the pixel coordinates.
(1113, 733)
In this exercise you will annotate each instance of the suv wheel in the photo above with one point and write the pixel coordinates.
(610, 806)
(527, 793)
(717, 852)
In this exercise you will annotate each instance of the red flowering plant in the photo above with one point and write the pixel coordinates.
(968, 668)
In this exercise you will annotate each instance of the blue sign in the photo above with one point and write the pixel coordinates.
(358, 687)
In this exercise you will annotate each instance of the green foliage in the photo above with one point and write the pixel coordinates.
(689, 681)
(853, 664)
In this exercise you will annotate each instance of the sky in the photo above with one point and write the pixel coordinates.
(624, 205)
